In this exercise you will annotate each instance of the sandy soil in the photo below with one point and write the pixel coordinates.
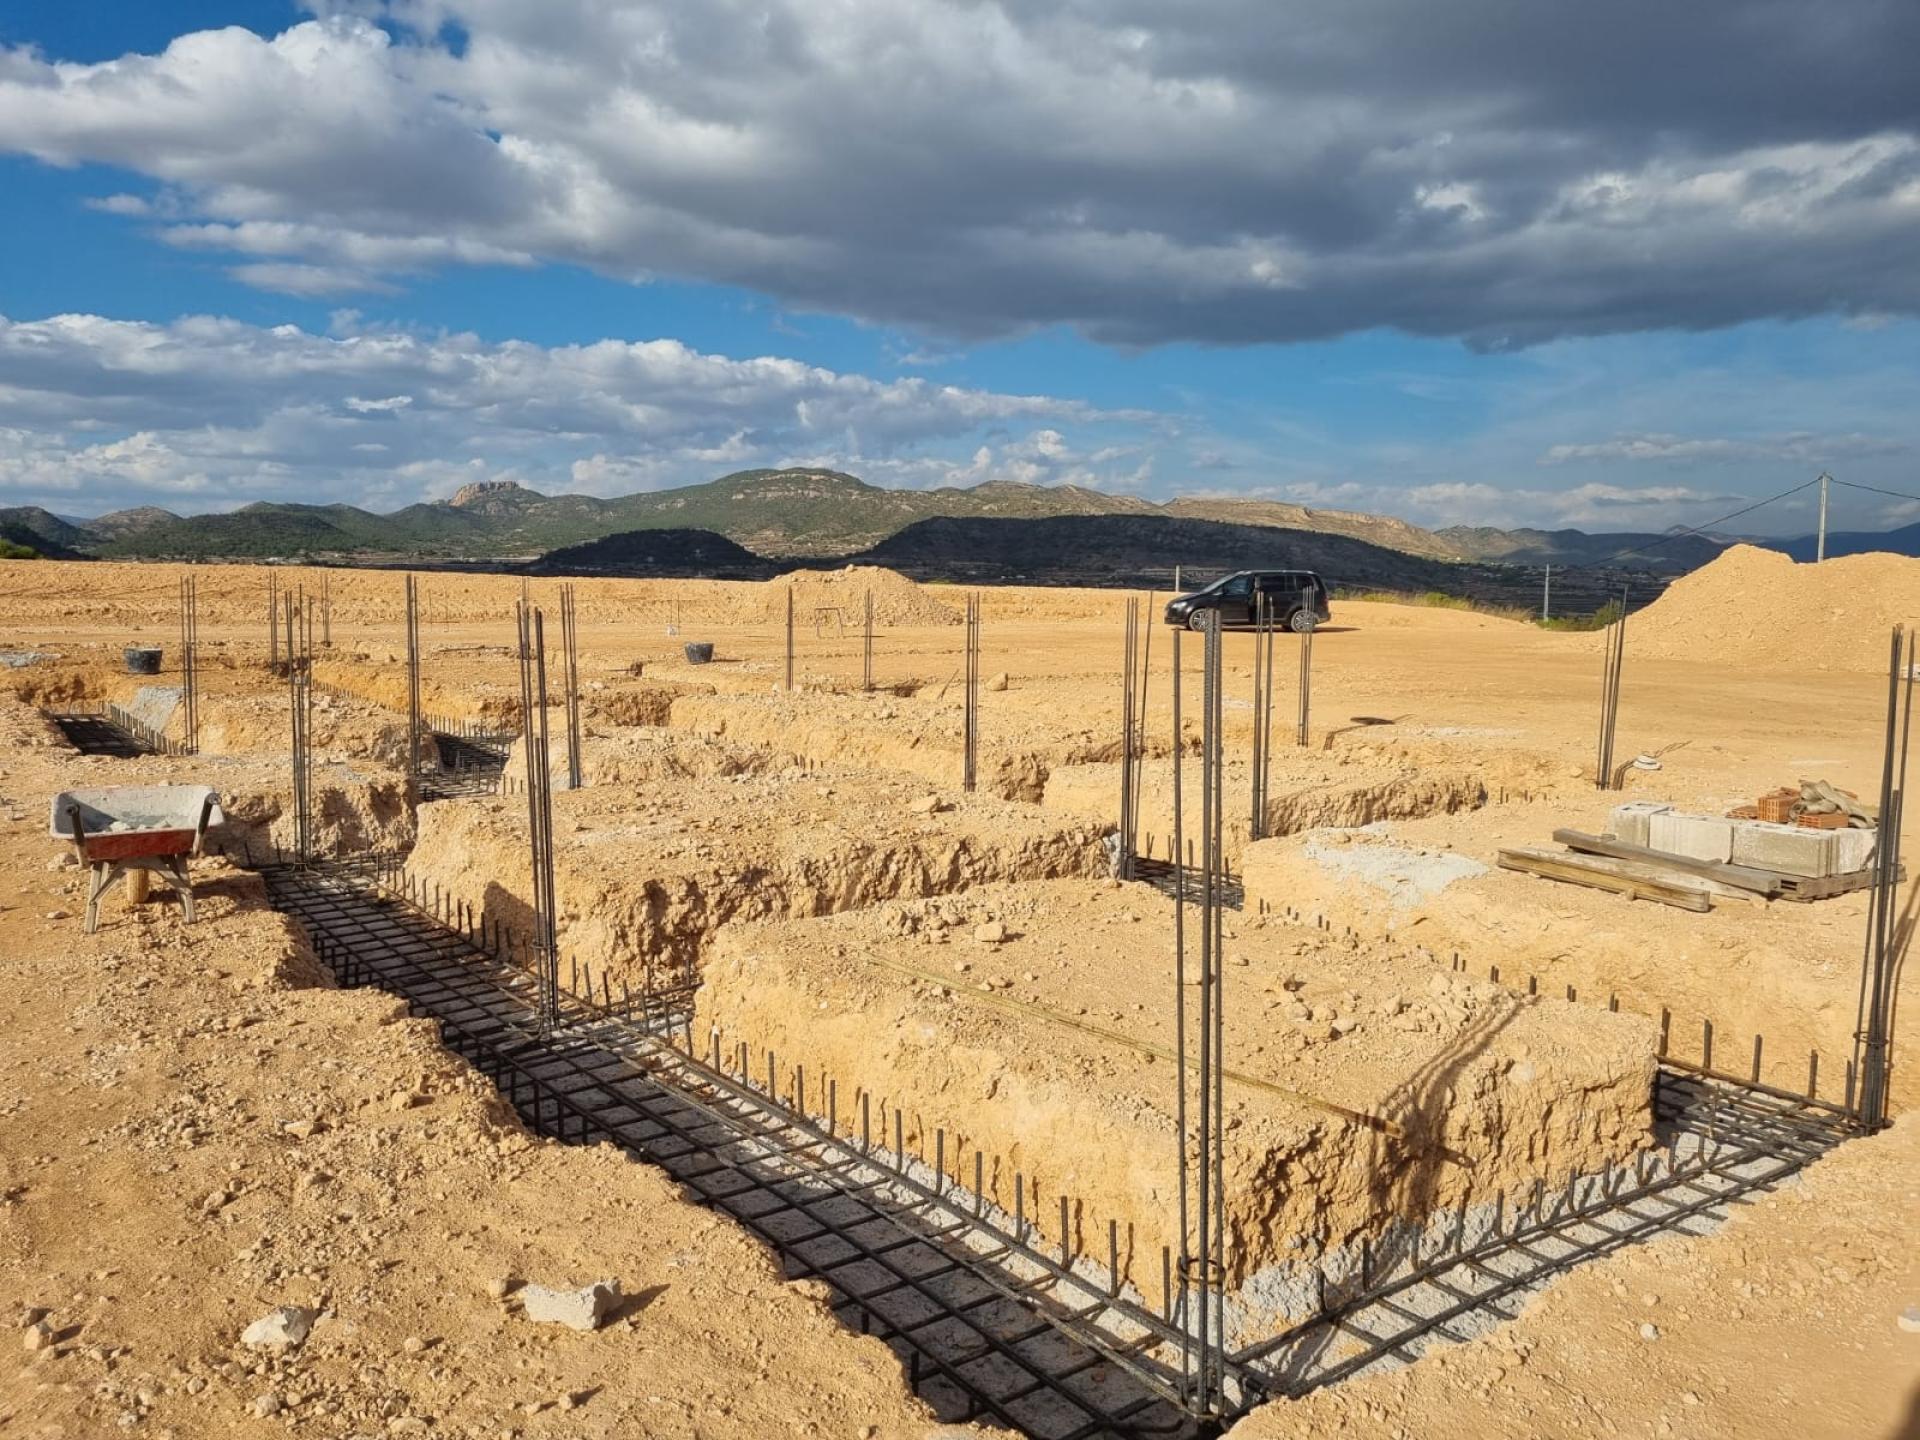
(192, 1134)
(1750, 674)
(1785, 1322)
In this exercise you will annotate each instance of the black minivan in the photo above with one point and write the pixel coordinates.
(1297, 600)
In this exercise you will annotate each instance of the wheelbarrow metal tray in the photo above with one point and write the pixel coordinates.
(155, 820)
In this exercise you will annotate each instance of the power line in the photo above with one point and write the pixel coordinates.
(1685, 531)
(1854, 485)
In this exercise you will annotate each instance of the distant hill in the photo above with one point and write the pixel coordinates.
(43, 532)
(811, 514)
(1374, 529)
(1141, 551)
(663, 554)
(1904, 541)
(1663, 552)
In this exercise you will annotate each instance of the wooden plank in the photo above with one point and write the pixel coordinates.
(1741, 877)
(1598, 875)
(1799, 887)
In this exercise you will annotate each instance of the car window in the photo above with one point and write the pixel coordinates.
(1237, 585)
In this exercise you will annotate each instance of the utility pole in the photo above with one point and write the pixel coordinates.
(1546, 595)
(1820, 552)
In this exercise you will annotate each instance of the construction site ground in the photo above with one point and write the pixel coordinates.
(198, 1127)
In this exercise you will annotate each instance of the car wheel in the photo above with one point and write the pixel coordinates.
(1197, 619)
(1302, 621)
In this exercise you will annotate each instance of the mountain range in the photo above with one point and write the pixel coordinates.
(789, 514)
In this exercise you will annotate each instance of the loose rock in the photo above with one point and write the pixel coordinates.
(581, 1309)
(285, 1327)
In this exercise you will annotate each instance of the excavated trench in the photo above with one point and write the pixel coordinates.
(993, 1321)
(987, 1331)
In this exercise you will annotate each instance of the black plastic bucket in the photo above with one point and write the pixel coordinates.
(142, 659)
(699, 652)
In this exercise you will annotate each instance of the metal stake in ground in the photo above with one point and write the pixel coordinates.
(1140, 722)
(1616, 646)
(969, 767)
(190, 664)
(300, 705)
(1180, 1021)
(866, 647)
(1310, 623)
(569, 639)
(1123, 859)
(413, 679)
(273, 622)
(533, 704)
(1209, 1198)
(1262, 712)
(1886, 939)
(326, 611)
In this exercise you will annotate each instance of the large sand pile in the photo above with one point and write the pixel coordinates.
(1758, 607)
(896, 599)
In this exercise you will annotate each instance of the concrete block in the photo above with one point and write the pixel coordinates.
(1853, 850)
(1698, 837)
(1629, 822)
(1790, 849)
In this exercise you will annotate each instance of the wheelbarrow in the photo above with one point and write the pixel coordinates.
(137, 831)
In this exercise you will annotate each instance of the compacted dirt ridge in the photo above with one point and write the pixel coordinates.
(197, 1127)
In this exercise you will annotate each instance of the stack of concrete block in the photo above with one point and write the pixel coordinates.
(1629, 822)
(1698, 837)
(1790, 849)
(1852, 850)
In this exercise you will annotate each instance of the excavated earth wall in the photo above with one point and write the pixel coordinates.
(645, 874)
(918, 1005)
(1305, 789)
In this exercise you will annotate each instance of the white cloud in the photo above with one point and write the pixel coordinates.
(225, 411)
(1211, 170)
(1802, 448)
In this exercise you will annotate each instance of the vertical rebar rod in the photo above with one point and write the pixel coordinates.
(1880, 962)
(1140, 720)
(300, 710)
(866, 647)
(1616, 639)
(273, 621)
(789, 683)
(569, 636)
(1123, 858)
(1180, 1014)
(1308, 603)
(326, 611)
(1262, 680)
(1217, 868)
(970, 740)
(413, 678)
(533, 699)
(190, 663)
(1205, 1171)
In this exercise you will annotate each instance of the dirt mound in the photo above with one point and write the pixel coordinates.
(818, 593)
(1759, 607)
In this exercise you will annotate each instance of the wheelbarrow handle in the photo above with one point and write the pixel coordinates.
(200, 826)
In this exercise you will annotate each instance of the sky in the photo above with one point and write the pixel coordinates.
(1616, 267)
